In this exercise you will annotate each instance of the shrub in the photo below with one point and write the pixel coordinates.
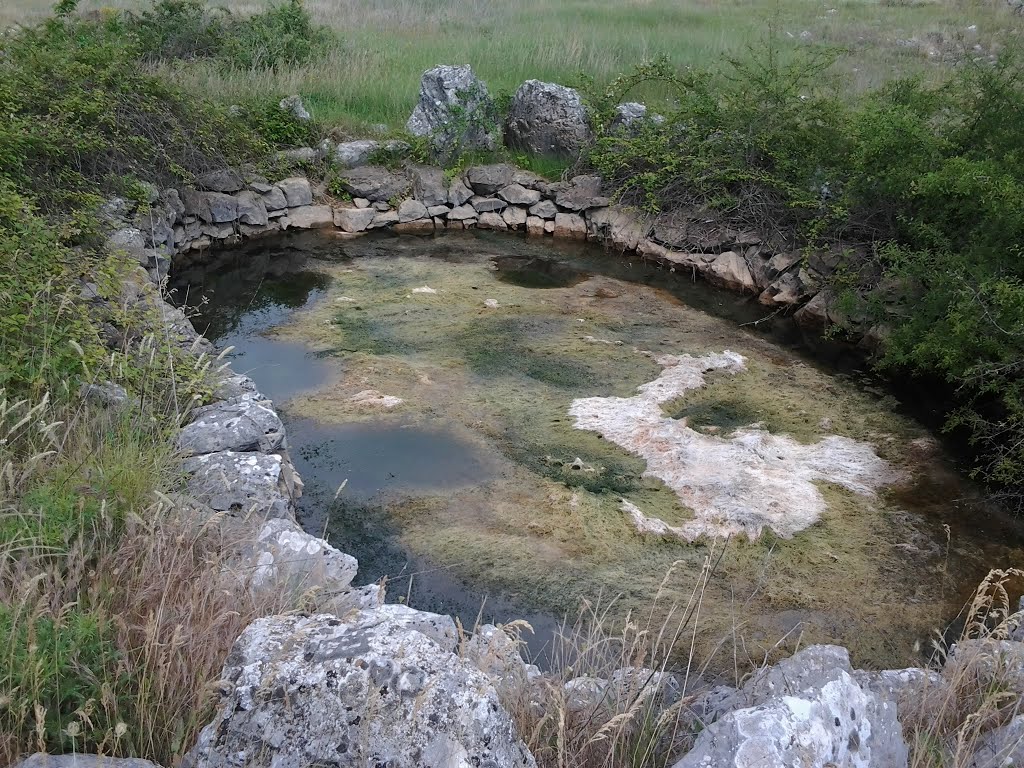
(83, 117)
(926, 180)
(174, 29)
(283, 35)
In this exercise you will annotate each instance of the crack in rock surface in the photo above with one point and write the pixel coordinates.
(735, 484)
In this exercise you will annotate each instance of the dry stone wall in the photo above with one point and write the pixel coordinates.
(422, 200)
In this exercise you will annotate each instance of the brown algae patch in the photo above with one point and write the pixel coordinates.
(504, 361)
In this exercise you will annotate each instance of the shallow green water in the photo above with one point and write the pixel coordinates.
(478, 485)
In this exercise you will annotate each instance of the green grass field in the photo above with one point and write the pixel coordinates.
(371, 77)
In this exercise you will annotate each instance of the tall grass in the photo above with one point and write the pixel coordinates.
(117, 602)
(372, 75)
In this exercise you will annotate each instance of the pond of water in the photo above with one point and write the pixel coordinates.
(506, 428)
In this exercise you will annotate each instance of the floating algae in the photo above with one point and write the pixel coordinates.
(496, 358)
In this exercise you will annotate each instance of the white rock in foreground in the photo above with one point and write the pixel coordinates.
(370, 691)
(738, 484)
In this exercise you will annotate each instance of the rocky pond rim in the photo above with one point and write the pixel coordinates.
(241, 479)
(730, 259)
(840, 558)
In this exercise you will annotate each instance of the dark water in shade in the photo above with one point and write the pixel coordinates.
(388, 460)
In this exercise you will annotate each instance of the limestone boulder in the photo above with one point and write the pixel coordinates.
(428, 185)
(230, 481)
(514, 217)
(352, 154)
(459, 193)
(547, 119)
(630, 117)
(730, 270)
(545, 209)
(517, 194)
(354, 219)
(491, 220)
(285, 558)
(211, 207)
(41, 760)
(534, 226)
(245, 423)
(293, 105)
(224, 180)
(1001, 747)
(296, 190)
(454, 111)
(487, 204)
(251, 208)
(570, 226)
(411, 210)
(486, 180)
(462, 213)
(311, 217)
(808, 710)
(375, 183)
(375, 689)
(274, 199)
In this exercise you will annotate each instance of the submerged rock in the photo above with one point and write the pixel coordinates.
(374, 690)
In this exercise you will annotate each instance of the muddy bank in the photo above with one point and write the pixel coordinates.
(478, 483)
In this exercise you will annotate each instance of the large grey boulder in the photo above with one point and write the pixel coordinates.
(252, 209)
(370, 690)
(375, 183)
(211, 207)
(488, 179)
(245, 423)
(455, 111)
(231, 481)
(547, 119)
(224, 180)
(297, 191)
(806, 711)
(352, 154)
(428, 185)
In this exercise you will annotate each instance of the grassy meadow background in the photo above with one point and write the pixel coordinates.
(371, 76)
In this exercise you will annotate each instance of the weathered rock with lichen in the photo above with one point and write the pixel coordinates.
(373, 690)
(454, 111)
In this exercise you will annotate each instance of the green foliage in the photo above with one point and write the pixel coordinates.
(926, 179)
(82, 116)
(283, 35)
(64, 662)
(277, 126)
(174, 29)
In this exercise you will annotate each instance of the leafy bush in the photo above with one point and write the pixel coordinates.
(172, 30)
(175, 29)
(83, 117)
(283, 35)
(926, 180)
